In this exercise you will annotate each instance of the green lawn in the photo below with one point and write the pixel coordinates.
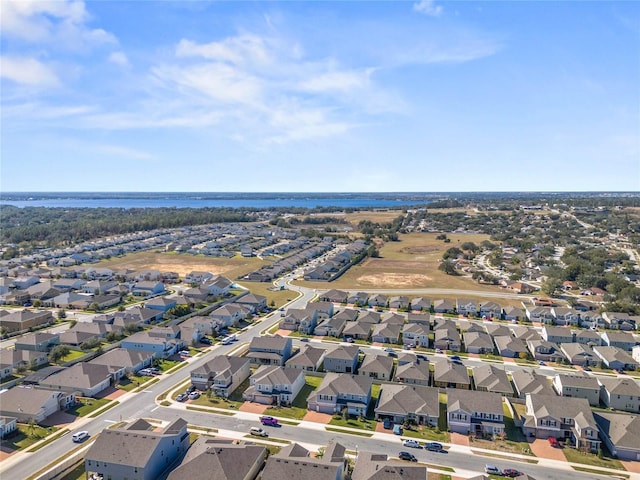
(340, 430)
(217, 402)
(78, 473)
(298, 408)
(87, 405)
(26, 435)
(576, 456)
(428, 434)
(127, 385)
(166, 364)
(73, 354)
(363, 424)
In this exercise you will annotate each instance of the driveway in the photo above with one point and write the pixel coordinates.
(283, 333)
(253, 407)
(316, 417)
(541, 448)
(631, 466)
(459, 439)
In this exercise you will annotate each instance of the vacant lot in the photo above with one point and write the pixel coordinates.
(412, 262)
(183, 263)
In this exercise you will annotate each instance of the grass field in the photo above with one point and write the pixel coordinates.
(412, 262)
(26, 435)
(88, 405)
(575, 456)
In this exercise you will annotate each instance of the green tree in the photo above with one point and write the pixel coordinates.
(58, 352)
(448, 267)
(552, 287)
(62, 314)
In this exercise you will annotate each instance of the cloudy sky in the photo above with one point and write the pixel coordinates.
(320, 96)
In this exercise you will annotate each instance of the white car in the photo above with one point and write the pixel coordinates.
(194, 395)
(80, 436)
(411, 443)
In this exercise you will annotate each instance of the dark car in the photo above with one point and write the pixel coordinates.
(434, 446)
(191, 388)
(407, 456)
(387, 424)
(511, 472)
(182, 397)
(205, 341)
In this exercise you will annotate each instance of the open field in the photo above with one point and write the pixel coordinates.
(183, 263)
(411, 262)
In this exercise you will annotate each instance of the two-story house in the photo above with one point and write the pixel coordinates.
(379, 367)
(478, 413)
(269, 350)
(620, 394)
(622, 340)
(416, 335)
(557, 334)
(571, 419)
(222, 374)
(308, 359)
(578, 386)
(274, 385)
(342, 359)
(408, 402)
(338, 391)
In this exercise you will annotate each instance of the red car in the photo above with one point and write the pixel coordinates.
(553, 441)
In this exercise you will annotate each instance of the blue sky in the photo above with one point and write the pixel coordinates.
(320, 96)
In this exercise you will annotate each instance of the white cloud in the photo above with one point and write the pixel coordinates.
(341, 80)
(126, 152)
(27, 71)
(56, 23)
(119, 58)
(428, 7)
(243, 49)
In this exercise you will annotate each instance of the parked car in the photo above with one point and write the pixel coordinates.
(553, 441)
(407, 456)
(190, 388)
(182, 397)
(304, 339)
(205, 341)
(540, 362)
(154, 370)
(587, 369)
(434, 446)
(194, 395)
(455, 357)
(145, 372)
(438, 350)
(273, 422)
(411, 443)
(258, 432)
(387, 424)
(511, 472)
(184, 353)
(490, 469)
(397, 429)
(80, 436)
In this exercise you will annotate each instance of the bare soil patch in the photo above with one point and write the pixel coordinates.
(393, 280)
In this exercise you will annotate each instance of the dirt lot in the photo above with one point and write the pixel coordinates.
(184, 263)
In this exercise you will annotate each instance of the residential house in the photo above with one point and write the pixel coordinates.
(447, 338)
(591, 319)
(196, 277)
(255, 303)
(615, 358)
(565, 316)
(571, 419)
(229, 460)
(137, 450)
(421, 304)
(295, 461)
(524, 333)
(497, 330)
(478, 342)
(636, 353)
(579, 354)
(369, 317)
(8, 425)
(121, 361)
(16, 321)
(37, 342)
(338, 391)
(377, 466)
(386, 333)
(269, 350)
(423, 318)
(334, 296)
(557, 334)
(451, 375)
(619, 321)
(510, 347)
(526, 381)
(578, 386)
(357, 330)
(488, 378)
(587, 337)
(274, 385)
(400, 301)
(379, 367)
(621, 434)
(513, 314)
(392, 318)
(545, 351)
(98, 287)
(539, 314)
(332, 327)
(415, 335)
(413, 373)
(489, 309)
(87, 378)
(622, 340)
(228, 315)
(443, 306)
(157, 344)
(33, 404)
(222, 374)
(148, 288)
(358, 298)
(378, 300)
(348, 314)
(466, 307)
(163, 304)
(478, 413)
(417, 404)
(308, 359)
(343, 359)
(620, 394)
